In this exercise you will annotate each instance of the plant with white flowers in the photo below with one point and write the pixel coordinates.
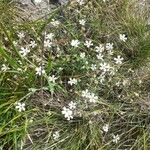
(116, 138)
(24, 51)
(105, 128)
(72, 81)
(80, 82)
(82, 22)
(20, 106)
(40, 70)
(68, 113)
(56, 135)
(123, 37)
(75, 43)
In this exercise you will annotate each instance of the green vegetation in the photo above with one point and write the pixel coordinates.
(79, 80)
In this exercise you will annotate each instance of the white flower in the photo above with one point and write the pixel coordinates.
(33, 90)
(21, 35)
(15, 43)
(80, 2)
(24, 51)
(123, 37)
(85, 93)
(75, 43)
(82, 22)
(119, 59)
(86, 62)
(32, 44)
(100, 56)
(116, 138)
(40, 70)
(104, 67)
(4, 68)
(52, 78)
(105, 128)
(56, 135)
(93, 67)
(72, 105)
(55, 22)
(109, 46)
(20, 106)
(49, 36)
(93, 98)
(67, 113)
(88, 44)
(47, 43)
(72, 81)
(82, 55)
(37, 1)
(99, 48)
(101, 78)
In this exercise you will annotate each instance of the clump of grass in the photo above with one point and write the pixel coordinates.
(74, 81)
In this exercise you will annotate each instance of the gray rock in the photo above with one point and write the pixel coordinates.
(34, 11)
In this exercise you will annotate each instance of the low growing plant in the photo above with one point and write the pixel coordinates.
(76, 81)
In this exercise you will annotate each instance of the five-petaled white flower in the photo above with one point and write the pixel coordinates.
(56, 135)
(72, 81)
(90, 96)
(72, 105)
(119, 59)
(109, 46)
(32, 44)
(24, 51)
(104, 67)
(75, 43)
(20, 106)
(49, 36)
(68, 114)
(88, 44)
(116, 138)
(52, 78)
(4, 67)
(82, 55)
(100, 48)
(93, 98)
(105, 128)
(93, 67)
(100, 56)
(85, 93)
(82, 22)
(21, 35)
(40, 70)
(55, 23)
(101, 78)
(47, 43)
(15, 43)
(123, 37)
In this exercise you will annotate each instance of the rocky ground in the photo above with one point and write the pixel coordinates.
(34, 11)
